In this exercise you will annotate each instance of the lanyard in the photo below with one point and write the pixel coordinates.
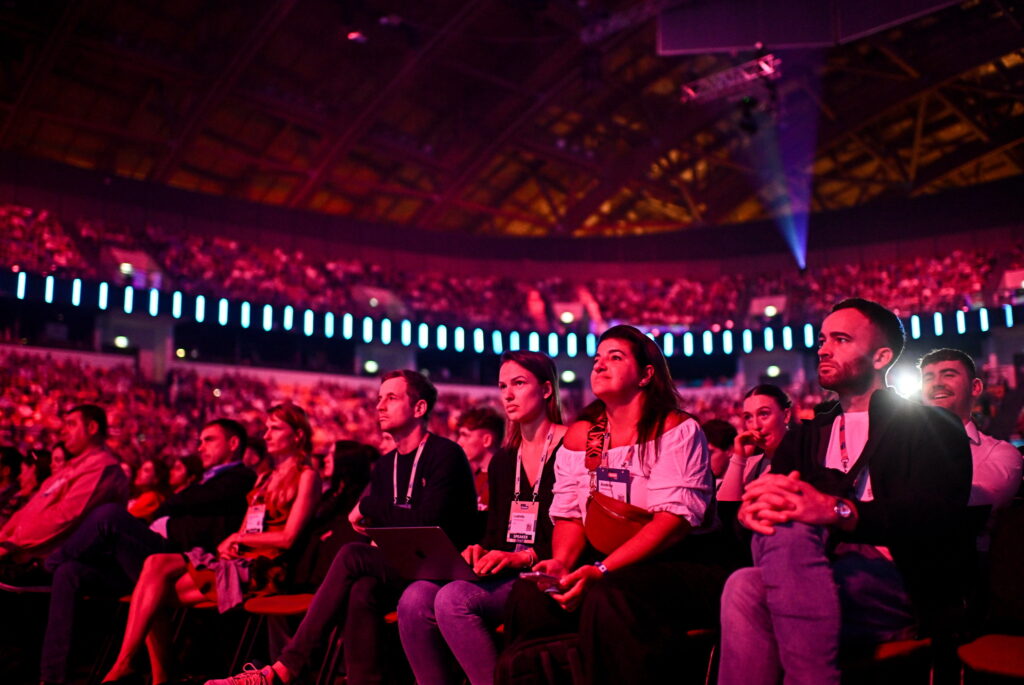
(844, 455)
(607, 446)
(412, 474)
(540, 471)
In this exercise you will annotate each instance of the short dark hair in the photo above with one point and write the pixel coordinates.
(772, 391)
(95, 414)
(257, 445)
(419, 387)
(720, 433)
(885, 322)
(193, 466)
(43, 461)
(484, 418)
(11, 458)
(948, 354)
(233, 429)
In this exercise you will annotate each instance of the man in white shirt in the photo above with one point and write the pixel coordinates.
(950, 380)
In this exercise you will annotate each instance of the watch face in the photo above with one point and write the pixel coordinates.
(843, 510)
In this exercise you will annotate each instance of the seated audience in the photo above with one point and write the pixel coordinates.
(881, 479)
(256, 456)
(34, 469)
(10, 469)
(636, 456)
(281, 505)
(91, 477)
(149, 489)
(766, 415)
(720, 435)
(425, 481)
(185, 472)
(950, 380)
(480, 432)
(447, 626)
(105, 555)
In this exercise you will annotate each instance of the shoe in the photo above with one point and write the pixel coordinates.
(250, 675)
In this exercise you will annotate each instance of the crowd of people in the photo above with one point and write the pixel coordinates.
(799, 530)
(37, 241)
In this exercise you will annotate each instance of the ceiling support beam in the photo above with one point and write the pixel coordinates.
(360, 124)
(41, 67)
(221, 87)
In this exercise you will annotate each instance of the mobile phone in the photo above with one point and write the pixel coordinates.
(545, 581)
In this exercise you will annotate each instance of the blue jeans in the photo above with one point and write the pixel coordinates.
(788, 614)
(438, 621)
(104, 555)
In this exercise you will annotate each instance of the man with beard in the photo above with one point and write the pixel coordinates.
(864, 503)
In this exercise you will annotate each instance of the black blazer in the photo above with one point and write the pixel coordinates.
(204, 514)
(919, 460)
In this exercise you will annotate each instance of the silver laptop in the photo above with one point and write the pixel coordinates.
(421, 553)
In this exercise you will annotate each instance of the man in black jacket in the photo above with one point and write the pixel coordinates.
(860, 529)
(106, 552)
(425, 481)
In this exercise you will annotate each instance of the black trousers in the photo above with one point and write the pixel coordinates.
(633, 622)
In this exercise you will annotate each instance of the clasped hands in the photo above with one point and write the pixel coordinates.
(776, 498)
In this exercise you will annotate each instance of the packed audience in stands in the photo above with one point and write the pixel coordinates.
(36, 240)
(625, 595)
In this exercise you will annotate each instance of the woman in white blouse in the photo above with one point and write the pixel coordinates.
(636, 602)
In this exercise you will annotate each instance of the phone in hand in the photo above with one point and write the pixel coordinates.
(545, 581)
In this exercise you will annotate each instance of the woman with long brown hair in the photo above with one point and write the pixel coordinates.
(280, 505)
(633, 481)
(440, 621)
(766, 414)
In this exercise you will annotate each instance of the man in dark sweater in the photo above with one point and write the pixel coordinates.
(425, 481)
(864, 505)
(106, 552)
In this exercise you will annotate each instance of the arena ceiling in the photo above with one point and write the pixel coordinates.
(493, 116)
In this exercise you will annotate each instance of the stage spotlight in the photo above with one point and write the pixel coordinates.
(121, 342)
(568, 376)
(370, 366)
(907, 381)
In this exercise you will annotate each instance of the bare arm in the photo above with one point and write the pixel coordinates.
(300, 515)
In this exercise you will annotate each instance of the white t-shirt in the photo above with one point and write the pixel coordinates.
(856, 438)
(677, 480)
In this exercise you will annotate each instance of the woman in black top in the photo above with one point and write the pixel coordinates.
(438, 622)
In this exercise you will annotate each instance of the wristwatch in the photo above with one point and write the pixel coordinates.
(843, 510)
(601, 567)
